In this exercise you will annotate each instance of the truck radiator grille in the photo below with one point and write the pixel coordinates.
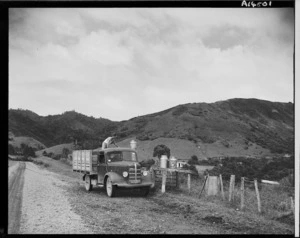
(135, 175)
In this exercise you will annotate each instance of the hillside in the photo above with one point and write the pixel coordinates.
(244, 123)
(56, 150)
(184, 149)
(17, 141)
(57, 129)
(235, 127)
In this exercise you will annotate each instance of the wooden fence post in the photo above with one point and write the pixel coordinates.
(257, 196)
(177, 179)
(292, 205)
(231, 187)
(242, 193)
(222, 190)
(163, 183)
(189, 183)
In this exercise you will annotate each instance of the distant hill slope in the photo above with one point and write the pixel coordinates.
(235, 127)
(56, 150)
(243, 122)
(58, 129)
(184, 149)
(31, 142)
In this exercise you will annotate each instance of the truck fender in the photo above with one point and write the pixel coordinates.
(91, 176)
(115, 178)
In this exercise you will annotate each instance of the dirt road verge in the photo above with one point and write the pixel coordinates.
(45, 207)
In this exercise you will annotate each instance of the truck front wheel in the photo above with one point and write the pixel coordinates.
(88, 185)
(110, 188)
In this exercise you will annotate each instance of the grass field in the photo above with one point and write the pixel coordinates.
(275, 199)
(56, 149)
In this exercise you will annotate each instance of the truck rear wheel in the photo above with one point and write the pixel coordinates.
(110, 188)
(88, 185)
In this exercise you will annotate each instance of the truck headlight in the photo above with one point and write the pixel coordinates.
(145, 173)
(125, 174)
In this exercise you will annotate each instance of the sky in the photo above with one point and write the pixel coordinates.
(119, 63)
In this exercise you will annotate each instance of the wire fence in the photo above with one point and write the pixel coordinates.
(271, 200)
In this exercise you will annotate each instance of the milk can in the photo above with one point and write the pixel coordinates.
(173, 162)
(163, 161)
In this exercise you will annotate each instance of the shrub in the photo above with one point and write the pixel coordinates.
(27, 151)
(160, 150)
(193, 160)
(203, 162)
(65, 152)
(190, 167)
(56, 157)
(11, 150)
(143, 137)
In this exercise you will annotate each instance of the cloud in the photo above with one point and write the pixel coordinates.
(231, 36)
(103, 48)
(124, 62)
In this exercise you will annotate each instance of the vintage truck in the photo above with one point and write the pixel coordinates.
(112, 168)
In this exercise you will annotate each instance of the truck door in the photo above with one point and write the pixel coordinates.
(101, 168)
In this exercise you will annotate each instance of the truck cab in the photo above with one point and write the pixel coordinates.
(112, 168)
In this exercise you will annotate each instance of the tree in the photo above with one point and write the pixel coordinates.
(193, 160)
(28, 151)
(65, 152)
(160, 150)
(11, 150)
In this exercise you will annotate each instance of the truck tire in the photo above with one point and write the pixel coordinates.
(87, 183)
(110, 188)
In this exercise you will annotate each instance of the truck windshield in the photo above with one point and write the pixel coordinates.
(122, 156)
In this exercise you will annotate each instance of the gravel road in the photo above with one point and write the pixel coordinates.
(15, 185)
(45, 208)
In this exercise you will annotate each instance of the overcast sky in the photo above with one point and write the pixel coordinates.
(120, 63)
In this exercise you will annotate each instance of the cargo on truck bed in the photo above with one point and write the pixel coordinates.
(84, 161)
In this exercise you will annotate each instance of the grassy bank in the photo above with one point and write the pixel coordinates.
(275, 199)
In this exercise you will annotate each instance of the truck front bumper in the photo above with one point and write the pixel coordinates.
(128, 185)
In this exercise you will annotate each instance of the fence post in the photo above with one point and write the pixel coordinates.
(231, 187)
(163, 183)
(242, 193)
(177, 179)
(189, 182)
(222, 190)
(292, 205)
(257, 196)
